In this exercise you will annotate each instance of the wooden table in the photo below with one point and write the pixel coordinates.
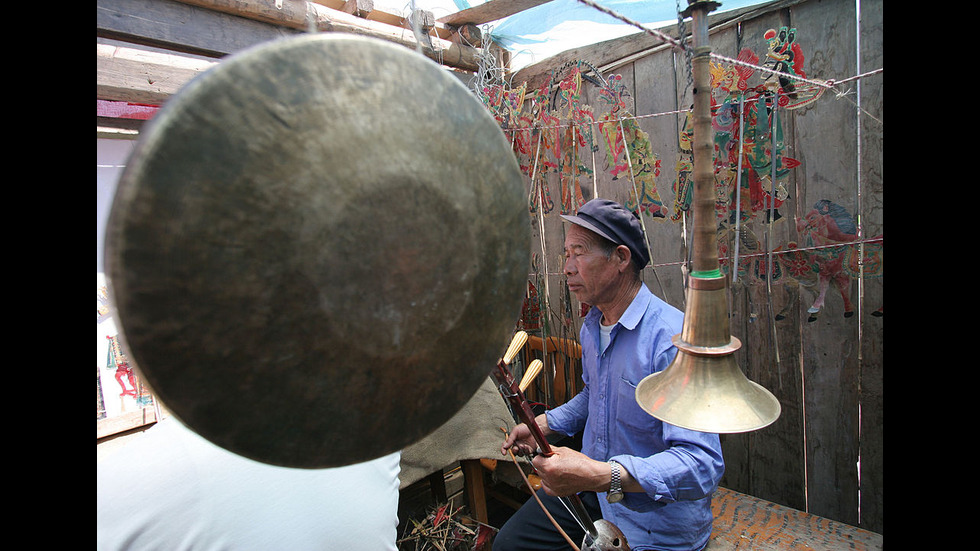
(748, 523)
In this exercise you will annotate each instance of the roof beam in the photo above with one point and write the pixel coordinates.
(305, 15)
(216, 28)
(142, 76)
(489, 11)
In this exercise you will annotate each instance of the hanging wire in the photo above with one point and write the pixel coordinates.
(860, 236)
(738, 185)
(773, 127)
(636, 194)
(546, 310)
(489, 72)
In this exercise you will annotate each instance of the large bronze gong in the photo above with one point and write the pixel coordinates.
(318, 250)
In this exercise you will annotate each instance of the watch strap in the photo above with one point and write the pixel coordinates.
(615, 484)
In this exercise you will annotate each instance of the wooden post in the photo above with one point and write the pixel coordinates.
(476, 498)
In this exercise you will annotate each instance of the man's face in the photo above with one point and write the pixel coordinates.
(591, 274)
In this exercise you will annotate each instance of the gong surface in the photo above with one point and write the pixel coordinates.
(317, 251)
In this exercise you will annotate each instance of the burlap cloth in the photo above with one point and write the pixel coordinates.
(473, 433)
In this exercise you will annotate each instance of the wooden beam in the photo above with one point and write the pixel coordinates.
(313, 17)
(476, 497)
(421, 23)
(489, 11)
(360, 8)
(217, 28)
(180, 27)
(142, 76)
(124, 422)
(382, 16)
(470, 34)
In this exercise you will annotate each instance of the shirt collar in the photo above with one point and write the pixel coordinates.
(634, 312)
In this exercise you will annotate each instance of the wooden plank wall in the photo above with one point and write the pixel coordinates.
(824, 455)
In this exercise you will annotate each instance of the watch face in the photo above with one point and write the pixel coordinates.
(614, 497)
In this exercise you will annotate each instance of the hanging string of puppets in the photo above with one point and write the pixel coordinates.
(550, 127)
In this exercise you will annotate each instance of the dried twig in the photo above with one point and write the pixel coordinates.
(445, 529)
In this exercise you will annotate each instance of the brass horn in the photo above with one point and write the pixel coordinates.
(703, 389)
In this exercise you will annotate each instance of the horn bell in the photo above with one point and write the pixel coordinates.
(703, 389)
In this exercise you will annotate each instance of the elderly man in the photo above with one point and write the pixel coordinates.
(652, 480)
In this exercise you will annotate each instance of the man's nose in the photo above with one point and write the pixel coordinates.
(568, 267)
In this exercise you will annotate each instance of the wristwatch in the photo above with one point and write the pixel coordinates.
(615, 493)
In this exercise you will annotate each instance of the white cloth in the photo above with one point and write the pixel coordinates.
(170, 489)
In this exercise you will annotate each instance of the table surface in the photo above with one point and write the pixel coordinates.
(748, 523)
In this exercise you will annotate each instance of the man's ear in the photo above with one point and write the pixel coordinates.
(623, 256)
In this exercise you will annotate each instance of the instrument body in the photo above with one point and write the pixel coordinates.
(600, 535)
(608, 538)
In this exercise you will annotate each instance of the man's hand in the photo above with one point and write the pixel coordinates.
(521, 439)
(568, 472)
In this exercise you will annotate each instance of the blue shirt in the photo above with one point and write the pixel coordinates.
(679, 469)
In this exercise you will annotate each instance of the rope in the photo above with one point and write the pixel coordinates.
(777, 253)
(687, 110)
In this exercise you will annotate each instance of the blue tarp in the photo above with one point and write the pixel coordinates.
(559, 25)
